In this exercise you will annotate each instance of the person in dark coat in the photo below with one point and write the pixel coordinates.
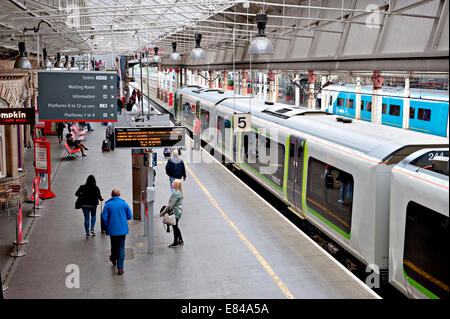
(89, 195)
(60, 130)
(115, 216)
(175, 168)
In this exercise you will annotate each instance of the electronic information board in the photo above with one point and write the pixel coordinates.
(83, 96)
(150, 136)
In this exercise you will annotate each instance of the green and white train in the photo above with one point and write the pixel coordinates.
(312, 151)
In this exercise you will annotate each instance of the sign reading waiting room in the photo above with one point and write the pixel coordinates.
(77, 96)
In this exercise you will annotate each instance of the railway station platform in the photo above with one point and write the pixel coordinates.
(236, 245)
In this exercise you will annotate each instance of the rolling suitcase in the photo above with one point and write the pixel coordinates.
(106, 145)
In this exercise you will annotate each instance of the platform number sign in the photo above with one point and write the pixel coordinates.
(242, 122)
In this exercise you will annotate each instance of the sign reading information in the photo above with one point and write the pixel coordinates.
(150, 136)
(77, 96)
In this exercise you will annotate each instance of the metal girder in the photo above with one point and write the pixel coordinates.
(389, 63)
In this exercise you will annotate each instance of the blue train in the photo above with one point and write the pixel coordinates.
(428, 108)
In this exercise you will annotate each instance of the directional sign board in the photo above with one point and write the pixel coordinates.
(150, 136)
(77, 96)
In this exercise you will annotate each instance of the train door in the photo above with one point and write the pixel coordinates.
(295, 171)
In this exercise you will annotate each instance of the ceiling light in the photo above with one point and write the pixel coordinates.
(59, 63)
(47, 63)
(261, 45)
(175, 56)
(197, 52)
(67, 65)
(22, 61)
(156, 57)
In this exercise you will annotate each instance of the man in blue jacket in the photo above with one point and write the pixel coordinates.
(115, 217)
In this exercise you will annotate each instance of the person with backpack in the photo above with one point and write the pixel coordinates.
(175, 168)
(175, 206)
(88, 199)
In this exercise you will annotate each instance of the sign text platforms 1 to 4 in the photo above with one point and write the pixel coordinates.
(77, 96)
(150, 137)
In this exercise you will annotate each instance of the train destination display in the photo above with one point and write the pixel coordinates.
(74, 96)
(150, 136)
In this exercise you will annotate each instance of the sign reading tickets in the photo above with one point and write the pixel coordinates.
(14, 116)
(150, 136)
(77, 96)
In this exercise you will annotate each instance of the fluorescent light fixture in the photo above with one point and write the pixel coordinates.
(175, 56)
(261, 45)
(59, 63)
(22, 61)
(156, 57)
(197, 52)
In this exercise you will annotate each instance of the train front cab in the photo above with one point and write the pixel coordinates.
(418, 236)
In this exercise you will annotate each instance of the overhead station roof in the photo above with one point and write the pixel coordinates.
(348, 35)
(87, 26)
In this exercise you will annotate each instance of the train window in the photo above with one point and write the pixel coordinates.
(291, 169)
(340, 102)
(425, 252)
(424, 114)
(362, 105)
(329, 195)
(428, 161)
(204, 118)
(188, 113)
(394, 110)
(350, 103)
(411, 112)
(368, 106)
(269, 164)
(384, 108)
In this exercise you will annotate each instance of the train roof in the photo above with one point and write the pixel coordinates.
(441, 95)
(378, 141)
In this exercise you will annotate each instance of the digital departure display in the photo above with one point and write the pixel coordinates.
(150, 136)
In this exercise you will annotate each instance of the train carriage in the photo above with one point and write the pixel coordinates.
(418, 244)
(428, 108)
(333, 173)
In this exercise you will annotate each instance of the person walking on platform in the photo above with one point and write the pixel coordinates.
(89, 195)
(175, 168)
(175, 206)
(197, 133)
(115, 216)
(110, 134)
(60, 130)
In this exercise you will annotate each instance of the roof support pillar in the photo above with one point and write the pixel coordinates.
(311, 80)
(377, 99)
(406, 105)
(358, 99)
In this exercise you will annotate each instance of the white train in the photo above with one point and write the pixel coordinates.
(344, 177)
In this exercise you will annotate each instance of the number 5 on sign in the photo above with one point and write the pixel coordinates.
(242, 122)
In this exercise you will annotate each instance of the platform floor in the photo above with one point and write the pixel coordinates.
(236, 245)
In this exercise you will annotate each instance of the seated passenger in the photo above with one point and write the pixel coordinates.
(75, 144)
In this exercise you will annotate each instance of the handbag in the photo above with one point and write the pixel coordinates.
(169, 219)
(78, 203)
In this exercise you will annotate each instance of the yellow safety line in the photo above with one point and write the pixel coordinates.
(252, 248)
(425, 275)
